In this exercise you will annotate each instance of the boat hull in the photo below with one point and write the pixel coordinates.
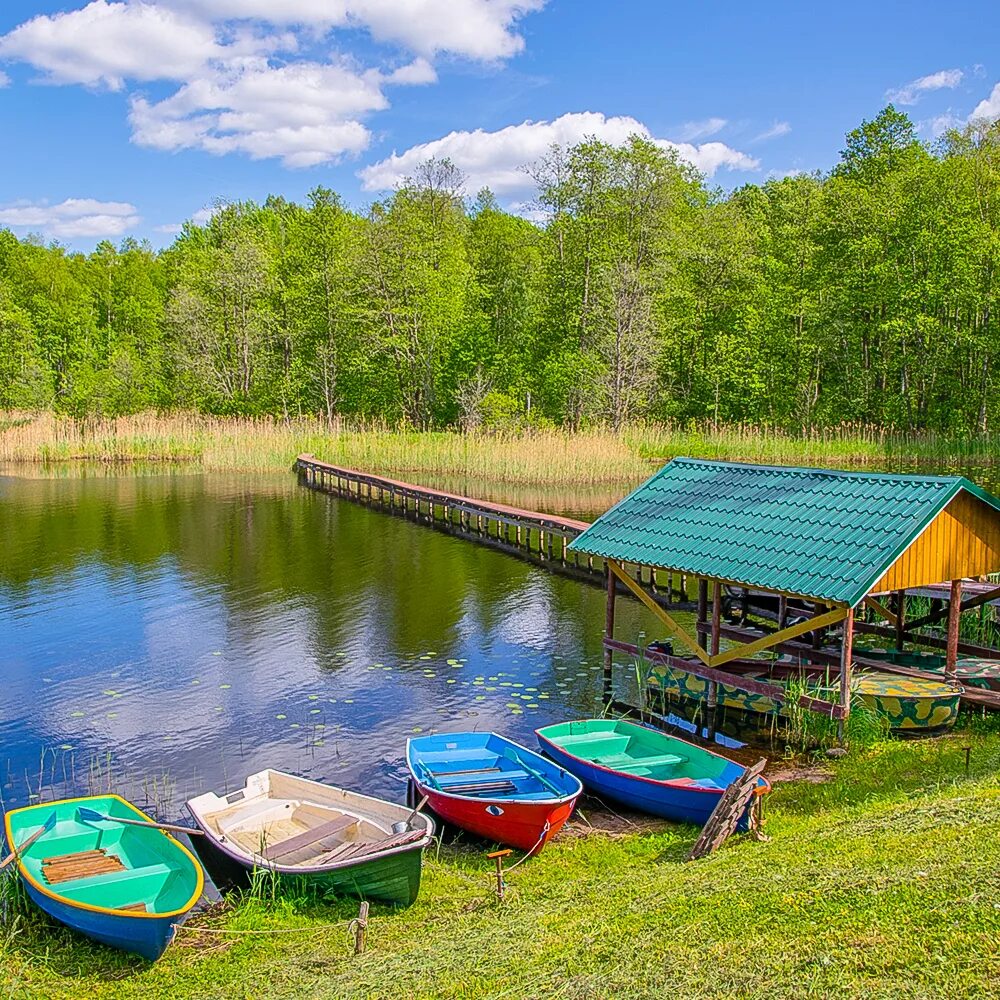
(136, 906)
(149, 937)
(391, 875)
(525, 825)
(673, 778)
(677, 804)
(393, 879)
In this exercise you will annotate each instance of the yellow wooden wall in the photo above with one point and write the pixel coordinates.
(963, 540)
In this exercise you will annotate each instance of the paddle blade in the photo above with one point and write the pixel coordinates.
(91, 815)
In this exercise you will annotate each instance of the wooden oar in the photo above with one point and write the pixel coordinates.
(41, 831)
(93, 816)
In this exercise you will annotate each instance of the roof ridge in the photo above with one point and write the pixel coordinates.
(816, 470)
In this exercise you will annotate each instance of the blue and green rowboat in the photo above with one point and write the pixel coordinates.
(644, 768)
(908, 704)
(125, 886)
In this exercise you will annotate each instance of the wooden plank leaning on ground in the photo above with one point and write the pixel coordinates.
(727, 813)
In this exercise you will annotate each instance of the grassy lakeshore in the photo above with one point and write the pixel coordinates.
(880, 881)
(537, 456)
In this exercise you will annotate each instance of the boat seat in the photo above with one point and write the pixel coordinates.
(76, 886)
(254, 811)
(311, 842)
(698, 783)
(623, 762)
(446, 781)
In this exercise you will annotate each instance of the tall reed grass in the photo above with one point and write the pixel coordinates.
(538, 456)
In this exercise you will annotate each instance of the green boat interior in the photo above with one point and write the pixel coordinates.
(638, 751)
(104, 863)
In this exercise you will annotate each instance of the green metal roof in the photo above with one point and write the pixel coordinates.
(813, 532)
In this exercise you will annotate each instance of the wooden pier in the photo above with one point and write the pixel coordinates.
(539, 537)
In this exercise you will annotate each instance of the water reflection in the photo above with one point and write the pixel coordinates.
(199, 627)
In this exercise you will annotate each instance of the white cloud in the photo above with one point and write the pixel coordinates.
(989, 107)
(74, 217)
(496, 159)
(4, 79)
(476, 29)
(777, 130)
(107, 43)
(234, 94)
(692, 131)
(910, 93)
(305, 113)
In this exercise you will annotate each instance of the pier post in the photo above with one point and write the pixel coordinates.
(713, 688)
(900, 619)
(609, 630)
(954, 618)
(702, 612)
(846, 658)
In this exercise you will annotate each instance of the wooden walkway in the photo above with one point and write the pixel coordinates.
(540, 537)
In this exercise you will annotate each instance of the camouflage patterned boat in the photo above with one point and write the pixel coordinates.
(909, 703)
(971, 671)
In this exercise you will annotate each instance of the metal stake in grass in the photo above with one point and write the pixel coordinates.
(498, 857)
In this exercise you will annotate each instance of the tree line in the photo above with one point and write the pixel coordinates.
(865, 294)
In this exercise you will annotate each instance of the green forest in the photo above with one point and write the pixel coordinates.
(633, 291)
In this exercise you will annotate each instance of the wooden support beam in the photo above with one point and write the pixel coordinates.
(767, 641)
(900, 619)
(954, 616)
(609, 628)
(972, 602)
(657, 610)
(702, 611)
(846, 659)
(881, 609)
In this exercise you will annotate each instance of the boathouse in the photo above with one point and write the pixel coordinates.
(826, 548)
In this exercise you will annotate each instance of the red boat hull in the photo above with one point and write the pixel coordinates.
(519, 824)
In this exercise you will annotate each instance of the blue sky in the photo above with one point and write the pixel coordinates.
(126, 117)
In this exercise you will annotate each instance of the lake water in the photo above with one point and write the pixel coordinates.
(165, 634)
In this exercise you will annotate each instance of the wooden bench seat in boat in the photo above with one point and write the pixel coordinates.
(312, 842)
(463, 779)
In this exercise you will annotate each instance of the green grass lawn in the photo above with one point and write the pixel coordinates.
(882, 881)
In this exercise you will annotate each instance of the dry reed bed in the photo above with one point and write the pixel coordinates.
(538, 456)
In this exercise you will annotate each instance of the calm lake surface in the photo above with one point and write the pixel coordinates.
(166, 633)
(169, 633)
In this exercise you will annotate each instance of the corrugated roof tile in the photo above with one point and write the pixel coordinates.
(816, 532)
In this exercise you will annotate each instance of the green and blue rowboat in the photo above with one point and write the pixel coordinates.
(331, 840)
(126, 886)
(644, 768)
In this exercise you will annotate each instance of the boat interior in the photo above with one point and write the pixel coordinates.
(292, 831)
(103, 863)
(487, 767)
(643, 753)
(284, 821)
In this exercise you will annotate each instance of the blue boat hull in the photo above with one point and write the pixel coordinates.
(658, 798)
(146, 936)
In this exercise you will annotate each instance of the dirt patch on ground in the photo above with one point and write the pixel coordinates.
(592, 815)
(782, 772)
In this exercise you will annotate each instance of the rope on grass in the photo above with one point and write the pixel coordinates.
(346, 924)
(534, 847)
